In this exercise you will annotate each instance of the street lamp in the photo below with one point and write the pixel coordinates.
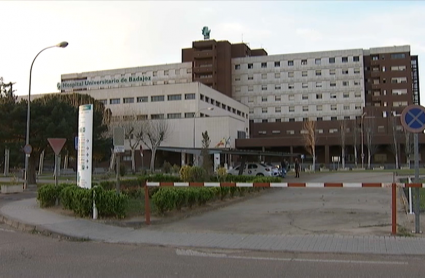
(361, 130)
(194, 127)
(27, 147)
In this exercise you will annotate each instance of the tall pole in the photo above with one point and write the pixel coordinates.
(27, 138)
(194, 129)
(417, 197)
(361, 131)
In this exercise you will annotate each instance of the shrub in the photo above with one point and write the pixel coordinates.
(109, 203)
(185, 173)
(164, 199)
(175, 169)
(123, 170)
(191, 196)
(221, 173)
(204, 195)
(180, 197)
(197, 174)
(47, 195)
(166, 167)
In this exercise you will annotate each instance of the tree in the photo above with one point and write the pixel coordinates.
(394, 147)
(408, 146)
(206, 158)
(152, 134)
(343, 128)
(310, 139)
(369, 126)
(355, 140)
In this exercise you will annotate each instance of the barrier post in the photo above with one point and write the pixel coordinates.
(147, 206)
(394, 209)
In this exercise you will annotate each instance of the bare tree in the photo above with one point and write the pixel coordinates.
(343, 127)
(369, 126)
(152, 134)
(408, 146)
(310, 139)
(355, 140)
(394, 147)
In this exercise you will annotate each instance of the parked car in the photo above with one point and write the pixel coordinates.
(256, 169)
(277, 169)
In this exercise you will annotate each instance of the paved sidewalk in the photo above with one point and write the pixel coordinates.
(26, 215)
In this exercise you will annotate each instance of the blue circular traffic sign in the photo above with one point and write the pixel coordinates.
(413, 118)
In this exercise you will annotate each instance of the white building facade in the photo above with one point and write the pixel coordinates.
(292, 87)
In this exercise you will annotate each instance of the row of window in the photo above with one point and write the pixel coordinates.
(306, 108)
(383, 68)
(393, 56)
(222, 106)
(394, 80)
(381, 129)
(157, 116)
(302, 62)
(291, 74)
(292, 97)
(293, 86)
(172, 97)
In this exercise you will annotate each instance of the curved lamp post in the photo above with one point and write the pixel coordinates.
(27, 147)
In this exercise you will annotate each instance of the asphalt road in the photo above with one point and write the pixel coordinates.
(30, 255)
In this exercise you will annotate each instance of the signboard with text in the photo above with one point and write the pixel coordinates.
(106, 82)
(85, 142)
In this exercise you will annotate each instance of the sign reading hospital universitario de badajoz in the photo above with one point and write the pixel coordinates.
(84, 84)
(85, 138)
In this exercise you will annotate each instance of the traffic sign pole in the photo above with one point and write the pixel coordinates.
(417, 197)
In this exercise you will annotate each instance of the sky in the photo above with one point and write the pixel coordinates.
(110, 35)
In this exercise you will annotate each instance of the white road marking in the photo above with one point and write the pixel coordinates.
(183, 252)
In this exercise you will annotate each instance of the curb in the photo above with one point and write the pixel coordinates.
(29, 228)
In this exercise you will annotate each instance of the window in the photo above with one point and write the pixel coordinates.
(237, 78)
(305, 108)
(263, 87)
(303, 131)
(333, 95)
(356, 59)
(128, 118)
(165, 72)
(375, 58)
(263, 99)
(304, 85)
(398, 80)
(250, 99)
(345, 71)
(250, 88)
(332, 83)
(251, 110)
(381, 129)
(157, 116)
(318, 84)
(334, 118)
(318, 72)
(142, 117)
(332, 60)
(291, 86)
(264, 110)
(264, 65)
(333, 130)
(358, 107)
(399, 103)
(290, 63)
(142, 99)
(276, 64)
(318, 61)
(276, 131)
(177, 72)
(333, 107)
(155, 73)
(277, 75)
(332, 72)
(291, 74)
(250, 66)
(291, 97)
(189, 115)
(291, 108)
(304, 73)
(398, 56)
(398, 68)
(277, 87)
(304, 62)
(346, 95)
(237, 67)
(346, 107)
(277, 98)
(157, 98)
(128, 100)
(114, 101)
(264, 76)
(174, 97)
(319, 108)
(357, 94)
(320, 131)
(356, 70)
(104, 101)
(174, 115)
(344, 83)
(356, 83)
(290, 132)
(345, 59)
(304, 97)
(319, 96)
(277, 109)
(399, 92)
(291, 119)
(250, 77)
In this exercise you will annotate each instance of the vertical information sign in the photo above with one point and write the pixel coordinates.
(85, 138)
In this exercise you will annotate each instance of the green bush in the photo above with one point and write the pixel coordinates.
(164, 199)
(109, 203)
(175, 169)
(197, 174)
(166, 167)
(123, 170)
(181, 197)
(191, 195)
(47, 195)
(204, 195)
(185, 173)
